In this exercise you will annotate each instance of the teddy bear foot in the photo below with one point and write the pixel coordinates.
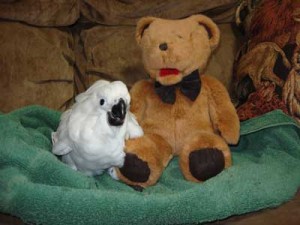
(206, 163)
(135, 169)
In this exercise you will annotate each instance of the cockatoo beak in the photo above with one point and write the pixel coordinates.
(117, 114)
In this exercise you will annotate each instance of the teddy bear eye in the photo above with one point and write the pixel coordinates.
(179, 36)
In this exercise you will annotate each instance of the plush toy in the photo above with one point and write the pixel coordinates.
(182, 112)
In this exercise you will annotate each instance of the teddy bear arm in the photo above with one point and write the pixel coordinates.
(222, 112)
(138, 95)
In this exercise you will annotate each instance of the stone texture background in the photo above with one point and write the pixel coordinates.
(51, 50)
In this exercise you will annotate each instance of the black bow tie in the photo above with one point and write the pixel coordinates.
(190, 86)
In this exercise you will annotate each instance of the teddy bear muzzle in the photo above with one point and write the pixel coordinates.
(163, 46)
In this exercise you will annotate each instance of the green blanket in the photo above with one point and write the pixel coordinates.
(38, 188)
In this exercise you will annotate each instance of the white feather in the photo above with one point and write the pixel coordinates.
(133, 128)
(85, 139)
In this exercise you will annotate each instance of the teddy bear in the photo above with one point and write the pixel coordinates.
(183, 112)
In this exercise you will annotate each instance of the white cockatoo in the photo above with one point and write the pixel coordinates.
(91, 135)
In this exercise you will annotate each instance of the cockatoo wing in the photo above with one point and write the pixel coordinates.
(133, 128)
(61, 148)
(60, 138)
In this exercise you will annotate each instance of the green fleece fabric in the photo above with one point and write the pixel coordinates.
(38, 188)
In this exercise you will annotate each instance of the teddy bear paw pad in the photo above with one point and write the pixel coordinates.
(135, 169)
(206, 163)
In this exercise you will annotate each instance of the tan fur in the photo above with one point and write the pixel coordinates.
(205, 140)
(193, 29)
(148, 148)
(185, 126)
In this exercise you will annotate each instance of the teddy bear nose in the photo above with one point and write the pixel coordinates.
(163, 46)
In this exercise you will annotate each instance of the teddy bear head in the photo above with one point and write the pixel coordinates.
(173, 49)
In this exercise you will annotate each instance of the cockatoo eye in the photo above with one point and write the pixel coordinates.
(102, 101)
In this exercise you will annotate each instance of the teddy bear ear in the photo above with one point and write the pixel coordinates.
(211, 28)
(142, 25)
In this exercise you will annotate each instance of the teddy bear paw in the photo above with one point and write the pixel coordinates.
(135, 169)
(206, 163)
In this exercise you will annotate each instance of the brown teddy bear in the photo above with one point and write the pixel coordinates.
(182, 112)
